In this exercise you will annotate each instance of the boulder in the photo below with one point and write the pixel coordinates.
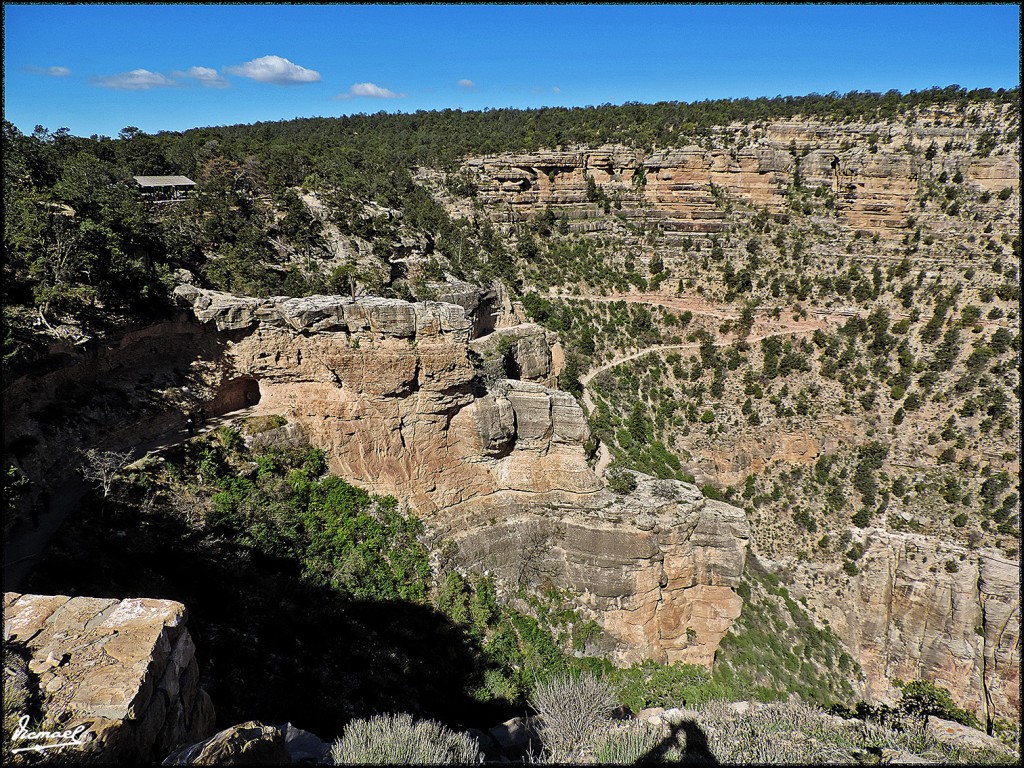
(518, 737)
(957, 734)
(250, 743)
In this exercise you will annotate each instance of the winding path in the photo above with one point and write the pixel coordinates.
(766, 324)
(25, 544)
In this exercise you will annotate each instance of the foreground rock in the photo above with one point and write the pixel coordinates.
(250, 743)
(124, 671)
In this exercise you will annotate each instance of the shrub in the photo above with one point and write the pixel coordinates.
(621, 480)
(626, 746)
(921, 698)
(256, 424)
(572, 711)
(397, 740)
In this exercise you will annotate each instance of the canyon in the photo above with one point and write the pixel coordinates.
(450, 401)
(389, 390)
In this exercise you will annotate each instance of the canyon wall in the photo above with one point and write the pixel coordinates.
(390, 391)
(873, 172)
(924, 609)
(399, 398)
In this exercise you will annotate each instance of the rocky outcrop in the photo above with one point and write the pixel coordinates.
(526, 351)
(390, 392)
(123, 670)
(872, 171)
(657, 568)
(923, 609)
(250, 743)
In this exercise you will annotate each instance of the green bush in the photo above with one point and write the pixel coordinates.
(397, 740)
(621, 481)
(920, 698)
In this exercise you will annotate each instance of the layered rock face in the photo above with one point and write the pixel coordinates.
(678, 189)
(125, 670)
(923, 609)
(390, 391)
(657, 568)
(386, 388)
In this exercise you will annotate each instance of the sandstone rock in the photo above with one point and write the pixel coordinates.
(496, 423)
(113, 666)
(528, 346)
(250, 743)
(388, 391)
(325, 314)
(665, 593)
(906, 616)
(957, 734)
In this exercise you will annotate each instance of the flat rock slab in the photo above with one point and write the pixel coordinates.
(115, 666)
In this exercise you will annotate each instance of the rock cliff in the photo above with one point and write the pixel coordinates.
(923, 609)
(873, 171)
(124, 670)
(389, 390)
(402, 399)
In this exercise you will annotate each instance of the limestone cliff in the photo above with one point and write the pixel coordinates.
(873, 171)
(124, 670)
(924, 609)
(389, 390)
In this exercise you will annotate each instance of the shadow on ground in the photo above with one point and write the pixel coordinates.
(271, 647)
(686, 737)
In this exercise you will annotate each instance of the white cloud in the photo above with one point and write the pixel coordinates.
(467, 84)
(276, 70)
(49, 71)
(206, 76)
(371, 91)
(136, 80)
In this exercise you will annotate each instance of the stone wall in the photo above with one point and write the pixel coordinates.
(126, 669)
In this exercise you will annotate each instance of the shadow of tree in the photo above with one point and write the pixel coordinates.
(270, 646)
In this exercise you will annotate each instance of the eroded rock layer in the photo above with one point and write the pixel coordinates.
(390, 391)
(681, 190)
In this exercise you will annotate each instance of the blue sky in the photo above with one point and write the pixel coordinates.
(95, 69)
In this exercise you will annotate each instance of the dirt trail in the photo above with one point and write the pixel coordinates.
(765, 326)
(787, 329)
(25, 544)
